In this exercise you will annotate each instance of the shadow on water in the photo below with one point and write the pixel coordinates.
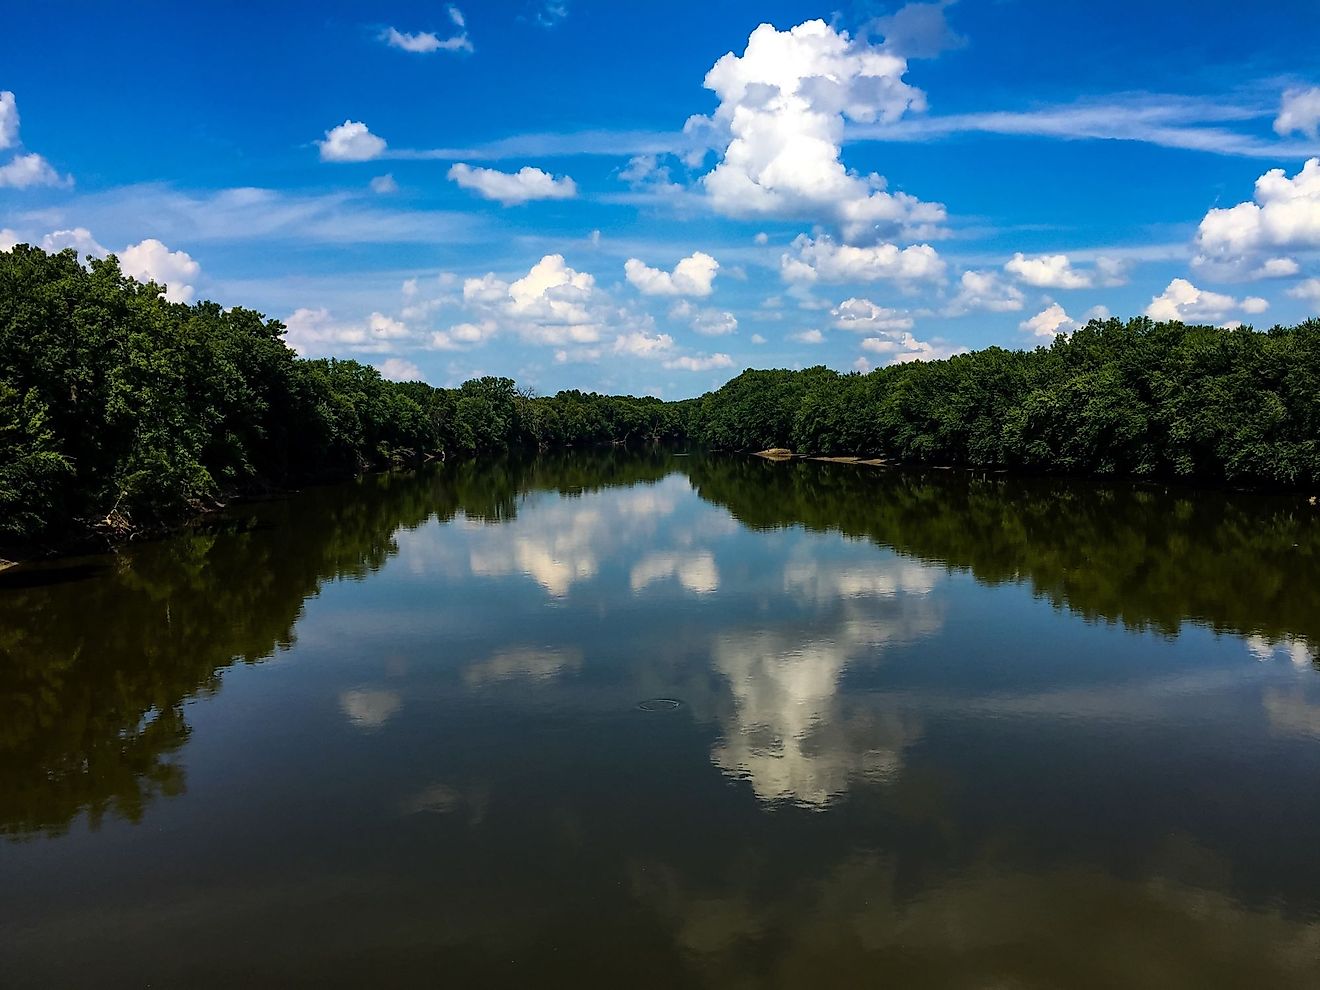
(42, 575)
(97, 657)
(1012, 835)
(1149, 558)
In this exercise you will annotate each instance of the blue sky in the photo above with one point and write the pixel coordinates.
(649, 198)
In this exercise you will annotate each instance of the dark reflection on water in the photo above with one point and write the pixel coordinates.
(932, 729)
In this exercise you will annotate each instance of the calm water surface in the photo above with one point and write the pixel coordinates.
(931, 730)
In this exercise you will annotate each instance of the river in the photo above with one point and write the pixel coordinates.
(645, 719)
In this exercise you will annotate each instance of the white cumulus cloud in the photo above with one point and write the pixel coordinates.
(864, 316)
(1283, 216)
(709, 322)
(8, 120)
(552, 304)
(984, 291)
(26, 171)
(1277, 268)
(714, 322)
(147, 261)
(1050, 322)
(779, 130)
(902, 347)
(692, 276)
(1181, 300)
(78, 238)
(513, 188)
(825, 260)
(351, 141)
(152, 261)
(1308, 290)
(700, 362)
(1048, 271)
(462, 336)
(316, 333)
(639, 343)
(1299, 112)
(399, 370)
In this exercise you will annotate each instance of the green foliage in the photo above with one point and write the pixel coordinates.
(756, 410)
(575, 418)
(120, 410)
(32, 468)
(1136, 399)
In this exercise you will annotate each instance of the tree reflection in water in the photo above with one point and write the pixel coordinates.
(859, 781)
(94, 670)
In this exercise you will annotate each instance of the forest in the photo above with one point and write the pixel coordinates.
(121, 412)
(1133, 399)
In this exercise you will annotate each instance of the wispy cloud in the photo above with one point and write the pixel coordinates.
(549, 13)
(425, 42)
(1170, 121)
(552, 145)
(248, 215)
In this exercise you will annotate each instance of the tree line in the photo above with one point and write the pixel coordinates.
(121, 411)
(1135, 399)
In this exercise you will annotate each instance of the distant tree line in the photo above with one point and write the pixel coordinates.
(121, 411)
(1136, 399)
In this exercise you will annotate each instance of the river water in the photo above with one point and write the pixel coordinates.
(638, 719)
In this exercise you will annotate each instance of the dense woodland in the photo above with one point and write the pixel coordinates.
(1138, 399)
(120, 411)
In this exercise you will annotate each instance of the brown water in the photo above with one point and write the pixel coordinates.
(646, 720)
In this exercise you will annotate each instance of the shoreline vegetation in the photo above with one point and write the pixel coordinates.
(123, 414)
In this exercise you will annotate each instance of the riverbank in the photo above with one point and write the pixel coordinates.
(88, 443)
(115, 529)
(784, 454)
(102, 537)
